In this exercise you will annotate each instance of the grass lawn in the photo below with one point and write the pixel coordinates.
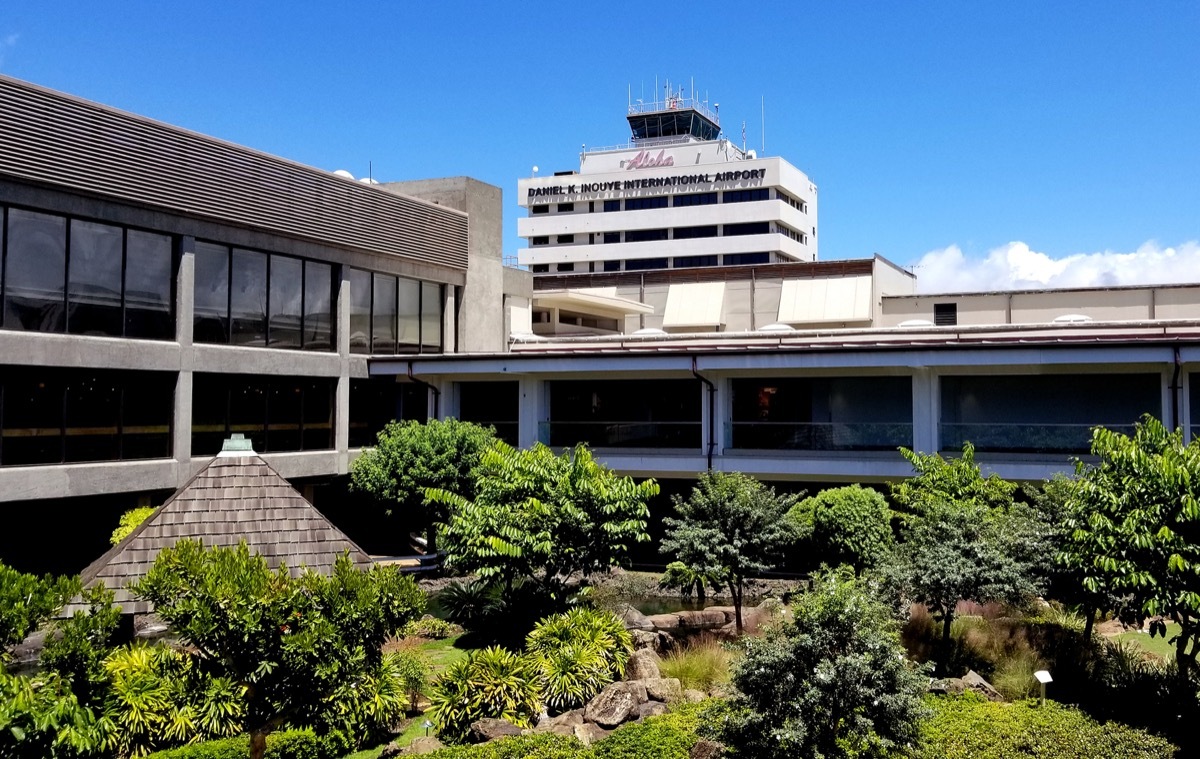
(1157, 645)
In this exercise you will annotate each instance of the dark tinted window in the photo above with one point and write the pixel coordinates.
(612, 265)
(35, 271)
(645, 235)
(745, 196)
(360, 311)
(541, 209)
(752, 228)
(637, 264)
(611, 237)
(612, 205)
(94, 283)
(212, 294)
(744, 259)
(318, 306)
(287, 294)
(383, 314)
(695, 199)
(410, 316)
(431, 317)
(639, 204)
(149, 275)
(248, 298)
(32, 419)
(93, 413)
(681, 262)
(688, 233)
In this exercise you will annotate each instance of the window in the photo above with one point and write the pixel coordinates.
(540, 209)
(410, 316)
(564, 239)
(645, 235)
(94, 279)
(496, 404)
(149, 282)
(945, 314)
(638, 264)
(540, 240)
(786, 231)
(611, 237)
(745, 196)
(799, 205)
(682, 262)
(431, 317)
(624, 413)
(695, 199)
(35, 272)
(640, 204)
(566, 207)
(50, 415)
(743, 259)
(401, 315)
(245, 297)
(275, 413)
(383, 314)
(688, 233)
(540, 268)
(360, 311)
(375, 402)
(612, 205)
(565, 267)
(612, 265)
(752, 228)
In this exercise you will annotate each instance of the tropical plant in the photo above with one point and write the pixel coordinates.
(850, 525)
(490, 682)
(40, 718)
(833, 683)
(129, 522)
(27, 601)
(78, 645)
(576, 654)
(731, 527)
(543, 516)
(411, 457)
(291, 645)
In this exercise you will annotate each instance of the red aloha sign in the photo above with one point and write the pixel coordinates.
(643, 160)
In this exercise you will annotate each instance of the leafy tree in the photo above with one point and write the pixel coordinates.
(938, 480)
(833, 683)
(297, 647)
(412, 457)
(40, 718)
(731, 527)
(80, 643)
(129, 522)
(1135, 531)
(850, 525)
(27, 601)
(541, 515)
(681, 577)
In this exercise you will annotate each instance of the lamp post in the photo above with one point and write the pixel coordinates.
(1043, 677)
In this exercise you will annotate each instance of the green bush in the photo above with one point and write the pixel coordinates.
(286, 744)
(669, 736)
(969, 726)
(576, 654)
(129, 522)
(537, 746)
(851, 525)
(41, 719)
(701, 664)
(491, 682)
(430, 627)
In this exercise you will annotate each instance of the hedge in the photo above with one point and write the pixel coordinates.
(285, 744)
(969, 727)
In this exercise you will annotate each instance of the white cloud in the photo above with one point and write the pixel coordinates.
(7, 43)
(1016, 266)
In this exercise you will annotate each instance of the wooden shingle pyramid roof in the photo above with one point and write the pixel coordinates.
(235, 498)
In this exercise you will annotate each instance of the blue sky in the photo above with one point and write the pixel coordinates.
(1052, 142)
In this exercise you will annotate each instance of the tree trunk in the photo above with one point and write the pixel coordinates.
(701, 593)
(431, 539)
(258, 744)
(1088, 619)
(735, 590)
(944, 657)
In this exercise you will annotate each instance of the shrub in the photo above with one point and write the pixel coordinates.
(669, 736)
(432, 628)
(129, 522)
(536, 746)
(701, 664)
(77, 652)
(969, 726)
(850, 525)
(576, 654)
(679, 576)
(41, 719)
(491, 682)
(588, 627)
(26, 601)
(287, 744)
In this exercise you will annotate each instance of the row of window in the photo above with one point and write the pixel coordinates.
(59, 274)
(391, 315)
(276, 413)
(682, 200)
(678, 233)
(678, 262)
(57, 415)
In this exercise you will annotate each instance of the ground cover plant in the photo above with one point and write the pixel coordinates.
(702, 663)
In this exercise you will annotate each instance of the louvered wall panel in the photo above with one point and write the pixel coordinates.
(53, 138)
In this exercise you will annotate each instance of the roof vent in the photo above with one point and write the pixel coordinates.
(776, 327)
(649, 332)
(237, 445)
(908, 323)
(1072, 319)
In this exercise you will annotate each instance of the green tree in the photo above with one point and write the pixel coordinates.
(959, 480)
(832, 683)
(849, 525)
(299, 648)
(79, 644)
(40, 718)
(412, 457)
(732, 526)
(1135, 532)
(27, 601)
(543, 516)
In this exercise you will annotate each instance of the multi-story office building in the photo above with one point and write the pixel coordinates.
(160, 289)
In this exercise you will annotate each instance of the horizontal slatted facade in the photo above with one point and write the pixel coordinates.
(704, 274)
(48, 137)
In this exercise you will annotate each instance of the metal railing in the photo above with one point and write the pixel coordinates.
(1020, 437)
(819, 436)
(633, 434)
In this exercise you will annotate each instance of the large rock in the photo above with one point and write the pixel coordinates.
(488, 729)
(664, 621)
(651, 709)
(426, 744)
(700, 620)
(693, 696)
(642, 664)
(706, 749)
(655, 640)
(633, 619)
(638, 689)
(588, 733)
(729, 612)
(611, 706)
(391, 750)
(664, 689)
(974, 681)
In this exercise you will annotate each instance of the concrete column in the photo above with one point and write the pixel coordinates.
(341, 401)
(185, 298)
(450, 340)
(926, 410)
(535, 409)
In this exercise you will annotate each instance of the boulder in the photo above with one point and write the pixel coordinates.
(426, 744)
(391, 750)
(641, 665)
(664, 621)
(974, 681)
(488, 729)
(664, 689)
(633, 619)
(589, 733)
(611, 706)
(693, 696)
(651, 709)
(706, 749)
(700, 620)
(947, 686)
(638, 689)
(729, 612)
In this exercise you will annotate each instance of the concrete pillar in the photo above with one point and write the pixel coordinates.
(926, 410)
(341, 401)
(185, 297)
(534, 409)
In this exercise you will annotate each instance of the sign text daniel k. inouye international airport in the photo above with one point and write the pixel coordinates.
(641, 162)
